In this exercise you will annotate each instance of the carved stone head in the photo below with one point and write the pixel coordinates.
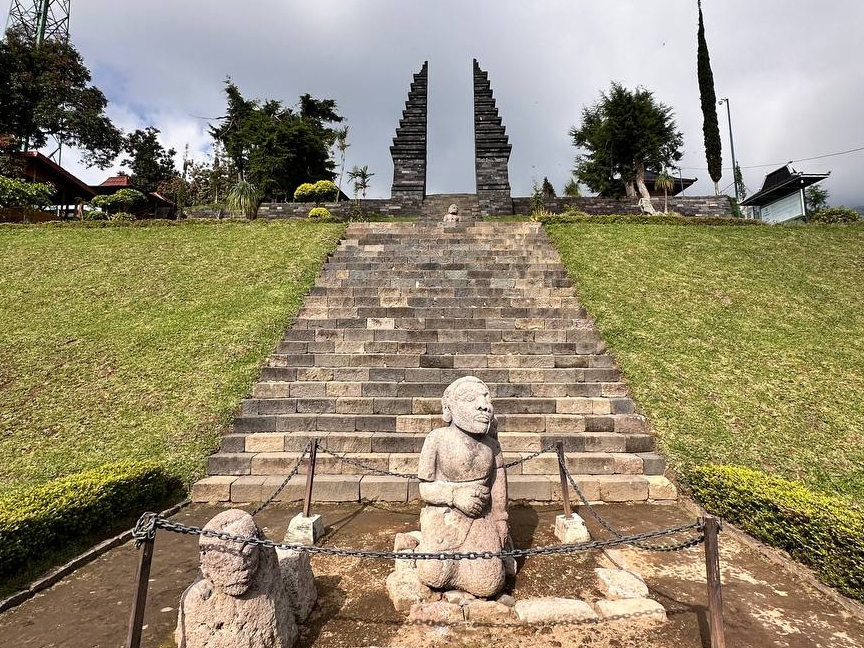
(468, 405)
(454, 209)
(229, 565)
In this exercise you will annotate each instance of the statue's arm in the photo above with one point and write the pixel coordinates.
(499, 498)
(438, 493)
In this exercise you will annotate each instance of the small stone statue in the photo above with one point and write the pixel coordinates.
(241, 601)
(452, 215)
(464, 485)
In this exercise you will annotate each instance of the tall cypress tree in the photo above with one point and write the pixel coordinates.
(710, 127)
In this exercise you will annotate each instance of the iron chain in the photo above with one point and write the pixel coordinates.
(284, 483)
(149, 522)
(685, 544)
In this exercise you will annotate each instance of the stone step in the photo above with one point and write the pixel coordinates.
(311, 420)
(436, 374)
(268, 396)
(367, 442)
(587, 340)
(374, 404)
(229, 489)
(405, 299)
(273, 463)
(438, 323)
(584, 354)
(436, 312)
(386, 355)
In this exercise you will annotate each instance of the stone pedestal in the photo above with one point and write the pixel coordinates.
(571, 530)
(304, 530)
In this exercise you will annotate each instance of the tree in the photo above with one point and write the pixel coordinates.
(708, 98)
(624, 133)
(360, 176)
(121, 200)
(665, 182)
(739, 182)
(341, 145)
(273, 147)
(46, 93)
(571, 189)
(547, 189)
(151, 164)
(815, 199)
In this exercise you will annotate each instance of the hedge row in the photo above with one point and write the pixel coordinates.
(820, 531)
(50, 516)
(638, 219)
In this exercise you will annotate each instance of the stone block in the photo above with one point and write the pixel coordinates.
(336, 488)
(293, 491)
(343, 390)
(393, 442)
(627, 464)
(414, 424)
(639, 611)
(571, 530)
(351, 442)
(413, 490)
(573, 406)
(487, 612)
(565, 424)
(532, 488)
(614, 488)
(248, 489)
(354, 406)
(372, 460)
(426, 406)
(304, 530)
(403, 463)
(229, 464)
(436, 613)
(213, 489)
(380, 323)
(405, 589)
(652, 463)
(620, 584)
(383, 488)
(296, 570)
(554, 610)
(660, 488)
(265, 442)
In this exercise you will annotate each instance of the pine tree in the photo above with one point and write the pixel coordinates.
(710, 126)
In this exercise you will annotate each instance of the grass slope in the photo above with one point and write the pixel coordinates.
(138, 342)
(742, 345)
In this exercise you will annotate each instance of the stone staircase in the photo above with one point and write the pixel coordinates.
(435, 206)
(400, 311)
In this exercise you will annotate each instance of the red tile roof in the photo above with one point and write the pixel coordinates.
(117, 181)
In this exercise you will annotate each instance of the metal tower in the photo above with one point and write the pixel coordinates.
(40, 20)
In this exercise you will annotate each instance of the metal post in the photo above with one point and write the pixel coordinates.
(310, 477)
(731, 146)
(565, 488)
(715, 595)
(136, 620)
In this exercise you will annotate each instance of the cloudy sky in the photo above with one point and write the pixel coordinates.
(790, 68)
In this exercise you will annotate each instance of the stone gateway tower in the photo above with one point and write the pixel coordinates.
(491, 150)
(409, 146)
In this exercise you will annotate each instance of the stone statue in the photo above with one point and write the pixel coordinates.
(241, 601)
(452, 215)
(463, 483)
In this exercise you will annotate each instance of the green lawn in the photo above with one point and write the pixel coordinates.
(138, 342)
(742, 345)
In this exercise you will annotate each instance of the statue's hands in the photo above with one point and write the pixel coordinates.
(471, 500)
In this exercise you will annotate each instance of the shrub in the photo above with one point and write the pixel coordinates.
(244, 198)
(121, 217)
(317, 193)
(831, 215)
(320, 214)
(121, 200)
(325, 190)
(305, 192)
(573, 216)
(18, 193)
(820, 531)
(49, 516)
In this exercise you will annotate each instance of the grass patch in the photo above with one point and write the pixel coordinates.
(138, 342)
(743, 345)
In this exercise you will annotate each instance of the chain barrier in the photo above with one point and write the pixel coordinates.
(685, 544)
(149, 522)
(378, 471)
(284, 483)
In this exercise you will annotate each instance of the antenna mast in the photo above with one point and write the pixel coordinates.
(40, 20)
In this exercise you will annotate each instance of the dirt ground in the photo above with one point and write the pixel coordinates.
(765, 606)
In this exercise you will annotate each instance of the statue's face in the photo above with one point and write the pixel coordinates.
(230, 567)
(471, 407)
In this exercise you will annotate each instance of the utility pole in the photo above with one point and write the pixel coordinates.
(40, 20)
(731, 146)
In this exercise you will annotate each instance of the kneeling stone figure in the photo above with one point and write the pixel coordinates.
(464, 485)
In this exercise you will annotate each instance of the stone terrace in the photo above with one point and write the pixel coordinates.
(401, 310)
